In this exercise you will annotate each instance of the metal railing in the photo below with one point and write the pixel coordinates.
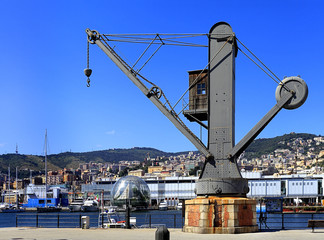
(155, 220)
(66, 220)
(50, 220)
(284, 221)
(269, 221)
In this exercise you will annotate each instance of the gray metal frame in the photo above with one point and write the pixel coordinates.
(220, 175)
(94, 37)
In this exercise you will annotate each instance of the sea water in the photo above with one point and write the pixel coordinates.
(171, 219)
(155, 218)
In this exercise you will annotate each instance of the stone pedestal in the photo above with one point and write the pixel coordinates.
(220, 215)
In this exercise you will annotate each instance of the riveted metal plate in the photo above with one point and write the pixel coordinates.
(222, 187)
(220, 135)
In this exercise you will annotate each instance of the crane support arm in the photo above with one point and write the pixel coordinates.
(255, 131)
(95, 38)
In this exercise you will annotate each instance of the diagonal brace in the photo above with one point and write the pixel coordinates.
(235, 152)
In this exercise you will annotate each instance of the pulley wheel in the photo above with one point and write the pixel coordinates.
(298, 86)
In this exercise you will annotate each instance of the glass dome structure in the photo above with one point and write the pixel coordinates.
(130, 188)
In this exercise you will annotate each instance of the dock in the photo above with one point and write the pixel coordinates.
(147, 234)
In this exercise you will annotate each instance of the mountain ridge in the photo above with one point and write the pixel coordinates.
(25, 162)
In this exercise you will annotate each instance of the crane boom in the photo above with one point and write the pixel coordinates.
(95, 38)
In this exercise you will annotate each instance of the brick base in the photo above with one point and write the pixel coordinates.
(226, 215)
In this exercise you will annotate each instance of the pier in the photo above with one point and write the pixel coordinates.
(146, 234)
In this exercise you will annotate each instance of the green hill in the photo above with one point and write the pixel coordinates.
(263, 146)
(72, 160)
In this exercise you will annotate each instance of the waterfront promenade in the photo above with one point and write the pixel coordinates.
(146, 234)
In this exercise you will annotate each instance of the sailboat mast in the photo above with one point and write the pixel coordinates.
(9, 182)
(17, 202)
(46, 168)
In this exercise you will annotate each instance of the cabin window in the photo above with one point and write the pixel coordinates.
(201, 88)
(41, 201)
(293, 184)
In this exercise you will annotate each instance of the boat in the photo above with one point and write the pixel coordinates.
(40, 197)
(76, 205)
(4, 205)
(109, 218)
(179, 206)
(10, 208)
(90, 205)
(48, 209)
(163, 206)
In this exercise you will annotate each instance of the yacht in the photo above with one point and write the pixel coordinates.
(10, 208)
(109, 218)
(179, 206)
(163, 206)
(76, 205)
(90, 205)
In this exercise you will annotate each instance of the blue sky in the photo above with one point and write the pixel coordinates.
(43, 54)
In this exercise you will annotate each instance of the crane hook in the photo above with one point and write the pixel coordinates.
(88, 72)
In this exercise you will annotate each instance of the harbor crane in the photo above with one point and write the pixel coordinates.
(220, 175)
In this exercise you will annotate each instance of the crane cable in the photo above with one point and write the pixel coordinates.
(197, 78)
(88, 62)
(274, 77)
(277, 80)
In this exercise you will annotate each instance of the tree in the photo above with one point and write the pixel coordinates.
(193, 172)
(123, 172)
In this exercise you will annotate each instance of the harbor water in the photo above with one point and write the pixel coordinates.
(145, 219)
(153, 218)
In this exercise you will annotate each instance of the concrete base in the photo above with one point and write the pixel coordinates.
(220, 215)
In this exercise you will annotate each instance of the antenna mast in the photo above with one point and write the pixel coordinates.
(46, 168)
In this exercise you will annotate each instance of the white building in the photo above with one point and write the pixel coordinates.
(174, 189)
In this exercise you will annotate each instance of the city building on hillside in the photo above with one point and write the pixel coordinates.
(84, 166)
(155, 169)
(54, 179)
(138, 173)
(68, 178)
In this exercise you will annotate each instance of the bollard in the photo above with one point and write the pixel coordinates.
(162, 233)
(127, 222)
(85, 222)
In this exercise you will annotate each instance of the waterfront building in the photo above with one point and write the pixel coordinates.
(307, 188)
(170, 189)
(173, 189)
(35, 196)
